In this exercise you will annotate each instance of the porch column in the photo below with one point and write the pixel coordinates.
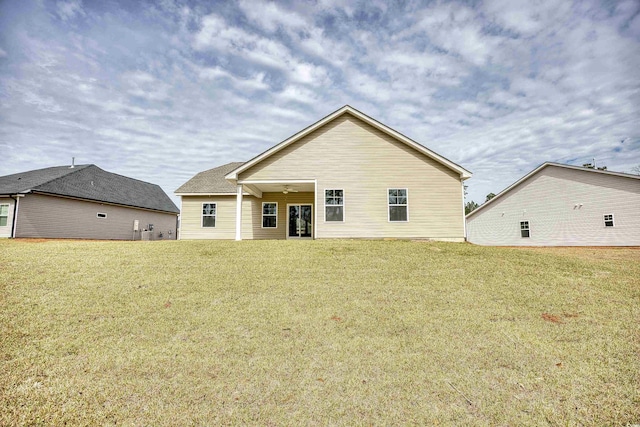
(239, 212)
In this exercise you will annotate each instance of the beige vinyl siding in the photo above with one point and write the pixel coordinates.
(351, 155)
(191, 216)
(42, 216)
(5, 231)
(282, 199)
(564, 207)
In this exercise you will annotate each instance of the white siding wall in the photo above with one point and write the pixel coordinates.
(548, 201)
(6, 230)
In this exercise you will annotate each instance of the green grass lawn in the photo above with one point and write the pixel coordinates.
(317, 333)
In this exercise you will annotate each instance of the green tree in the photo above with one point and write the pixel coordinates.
(489, 197)
(470, 207)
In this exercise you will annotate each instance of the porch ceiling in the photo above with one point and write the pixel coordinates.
(280, 187)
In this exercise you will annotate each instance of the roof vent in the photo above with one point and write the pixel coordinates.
(73, 163)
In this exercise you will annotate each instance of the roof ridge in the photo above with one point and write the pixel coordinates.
(77, 168)
(124, 176)
(221, 166)
(584, 168)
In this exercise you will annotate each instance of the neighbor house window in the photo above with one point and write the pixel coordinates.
(334, 205)
(608, 220)
(101, 215)
(524, 229)
(269, 215)
(208, 214)
(4, 215)
(398, 204)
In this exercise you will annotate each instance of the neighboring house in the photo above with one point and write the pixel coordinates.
(84, 202)
(345, 176)
(561, 205)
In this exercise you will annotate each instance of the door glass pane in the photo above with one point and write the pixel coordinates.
(293, 221)
(305, 221)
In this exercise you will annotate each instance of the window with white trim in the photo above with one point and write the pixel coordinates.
(269, 215)
(398, 203)
(608, 220)
(524, 229)
(208, 214)
(4, 215)
(101, 215)
(334, 205)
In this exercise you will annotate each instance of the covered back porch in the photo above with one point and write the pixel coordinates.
(281, 209)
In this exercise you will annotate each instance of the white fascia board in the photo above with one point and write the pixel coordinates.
(506, 190)
(278, 181)
(582, 168)
(464, 174)
(208, 194)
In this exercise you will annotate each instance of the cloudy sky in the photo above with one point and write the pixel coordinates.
(160, 90)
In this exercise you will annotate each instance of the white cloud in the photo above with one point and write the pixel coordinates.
(217, 34)
(270, 16)
(68, 9)
(143, 85)
(298, 94)
(255, 82)
(498, 87)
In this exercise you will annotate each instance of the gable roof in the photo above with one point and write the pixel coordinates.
(538, 169)
(210, 181)
(464, 174)
(89, 182)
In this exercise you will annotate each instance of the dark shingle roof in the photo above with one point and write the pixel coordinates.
(89, 182)
(211, 181)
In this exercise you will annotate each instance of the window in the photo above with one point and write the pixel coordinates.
(208, 214)
(4, 215)
(524, 229)
(269, 215)
(334, 205)
(101, 215)
(608, 220)
(398, 204)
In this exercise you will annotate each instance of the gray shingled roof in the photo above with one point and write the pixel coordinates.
(211, 181)
(89, 182)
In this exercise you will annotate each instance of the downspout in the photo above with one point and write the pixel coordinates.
(464, 217)
(15, 215)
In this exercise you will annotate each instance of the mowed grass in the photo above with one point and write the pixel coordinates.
(317, 333)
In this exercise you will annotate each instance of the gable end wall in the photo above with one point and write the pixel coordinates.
(564, 207)
(349, 154)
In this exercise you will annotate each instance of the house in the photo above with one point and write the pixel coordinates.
(84, 202)
(345, 176)
(561, 205)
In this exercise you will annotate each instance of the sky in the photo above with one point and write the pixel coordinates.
(161, 90)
